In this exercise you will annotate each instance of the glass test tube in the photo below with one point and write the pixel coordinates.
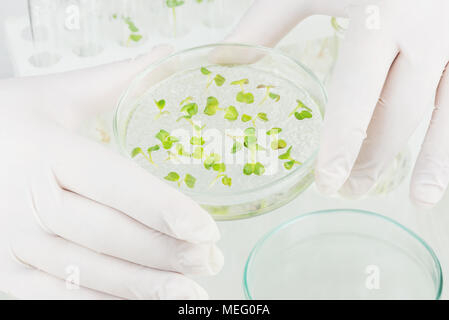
(45, 23)
(131, 21)
(84, 26)
(177, 18)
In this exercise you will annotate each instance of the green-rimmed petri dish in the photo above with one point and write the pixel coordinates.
(235, 127)
(342, 254)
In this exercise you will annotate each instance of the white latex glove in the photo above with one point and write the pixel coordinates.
(391, 66)
(74, 211)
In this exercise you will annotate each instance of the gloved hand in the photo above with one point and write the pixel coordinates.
(72, 212)
(391, 66)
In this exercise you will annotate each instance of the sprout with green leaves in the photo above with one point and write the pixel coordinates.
(166, 140)
(246, 118)
(197, 141)
(181, 151)
(236, 147)
(160, 105)
(276, 143)
(189, 180)
(290, 161)
(198, 153)
(274, 131)
(189, 111)
(254, 168)
(211, 160)
(250, 142)
(173, 4)
(212, 106)
(138, 150)
(218, 79)
(301, 111)
(262, 116)
(231, 113)
(268, 93)
(134, 36)
(242, 96)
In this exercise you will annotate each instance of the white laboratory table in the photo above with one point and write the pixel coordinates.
(239, 237)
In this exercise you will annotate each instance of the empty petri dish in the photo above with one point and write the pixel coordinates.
(342, 254)
(235, 127)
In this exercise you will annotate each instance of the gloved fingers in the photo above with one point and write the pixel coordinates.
(365, 59)
(73, 97)
(78, 266)
(268, 21)
(431, 174)
(99, 174)
(28, 283)
(408, 92)
(106, 230)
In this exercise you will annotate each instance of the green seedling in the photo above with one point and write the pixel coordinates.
(250, 142)
(220, 169)
(160, 105)
(236, 147)
(189, 180)
(242, 96)
(137, 151)
(231, 113)
(131, 26)
(189, 110)
(173, 4)
(301, 111)
(218, 79)
(198, 153)
(197, 141)
(290, 161)
(278, 144)
(274, 131)
(246, 118)
(227, 181)
(253, 168)
(262, 116)
(268, 93)
(181, 151)
(211, 160)
(205, 71)
(166, 140)
(134, 36)
(212, 106)
(172, 176)
(274, 96)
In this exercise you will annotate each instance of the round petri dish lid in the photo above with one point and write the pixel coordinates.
(342, 254)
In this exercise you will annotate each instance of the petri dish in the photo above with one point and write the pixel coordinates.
(235, 127)
(342, 254)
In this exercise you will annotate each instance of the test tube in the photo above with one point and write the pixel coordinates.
(131, 21)
(176, 18)
(45, 22)
(84, 26)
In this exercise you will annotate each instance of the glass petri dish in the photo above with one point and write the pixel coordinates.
(342, 254)
(236, 127)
